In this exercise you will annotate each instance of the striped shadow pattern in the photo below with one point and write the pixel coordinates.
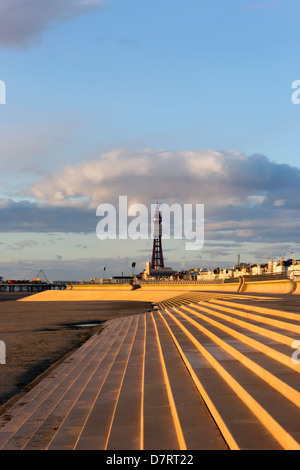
(209, 374)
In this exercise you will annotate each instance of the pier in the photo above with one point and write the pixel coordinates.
(30, 287)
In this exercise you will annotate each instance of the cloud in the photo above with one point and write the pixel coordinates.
(23, 244)
(246, 198)
(219, 179)
(22, 21)
(28, 216)
(72, 270)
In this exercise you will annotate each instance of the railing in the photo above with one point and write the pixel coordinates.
(267, 277)
(176, 283)
(106, 282)
(5, 287)
(231, 280)
(227, 280)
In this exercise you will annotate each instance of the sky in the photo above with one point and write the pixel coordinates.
(169, 101)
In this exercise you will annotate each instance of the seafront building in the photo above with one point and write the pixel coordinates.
(289, 267)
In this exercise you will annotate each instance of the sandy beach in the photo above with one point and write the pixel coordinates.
(38, 335)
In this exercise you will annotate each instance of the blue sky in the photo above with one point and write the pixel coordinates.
(99, 90)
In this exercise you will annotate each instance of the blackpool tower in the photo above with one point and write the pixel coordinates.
(157, 254)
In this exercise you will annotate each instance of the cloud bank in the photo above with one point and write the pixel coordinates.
(251, 203)
(216, 178)
(22, 21)
(246, 198)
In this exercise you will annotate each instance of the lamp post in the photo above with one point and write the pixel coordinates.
(292, 265)
(133, 266)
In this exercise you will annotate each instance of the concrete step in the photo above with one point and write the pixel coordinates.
(77, 415)
(195, 428)
(259, 309)
(281, 339)
(265, 340)
(96, 429)
(85, 385)
(28, 414)
(211, 374)
(42, 386)
(259, 358)
(191, 297)
(60, 372)
(273, 401)
(126, 431)
(237, 317)
(159, 430)
(240, 428)
(289, 322)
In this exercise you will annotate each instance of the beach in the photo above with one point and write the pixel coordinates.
(39, 335)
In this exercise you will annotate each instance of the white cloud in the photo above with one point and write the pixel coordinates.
(141, 175)
(218, 179)
(243, 195)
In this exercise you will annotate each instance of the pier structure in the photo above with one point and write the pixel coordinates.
(30, 287)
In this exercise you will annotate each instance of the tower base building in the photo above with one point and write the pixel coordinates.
(157, 272)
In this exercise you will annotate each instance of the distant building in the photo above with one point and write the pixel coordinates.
(206, 275)
(157, 273)
(257, 269)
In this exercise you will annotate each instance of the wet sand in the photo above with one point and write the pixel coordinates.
(39, 335)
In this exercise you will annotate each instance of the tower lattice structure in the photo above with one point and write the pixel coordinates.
(157, 253)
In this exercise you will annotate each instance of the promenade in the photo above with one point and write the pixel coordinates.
(202, 370)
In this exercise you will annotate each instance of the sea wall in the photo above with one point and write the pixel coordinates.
(285, 286)
(297, 287)
(100, 287)
(157, 292)
(189, 287)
